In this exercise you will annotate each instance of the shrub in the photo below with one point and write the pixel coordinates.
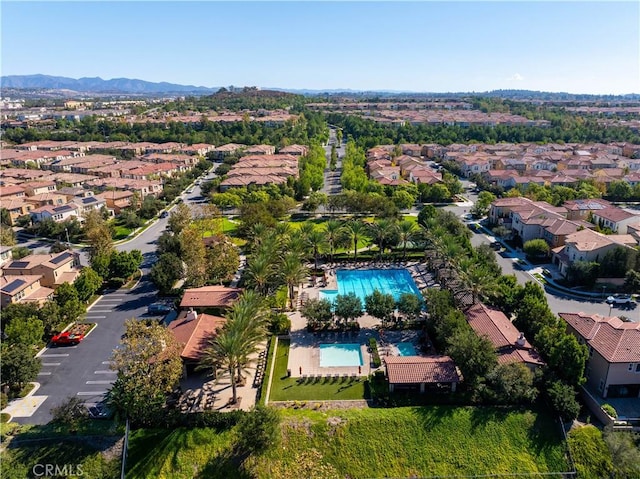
(610, 410)
(70, 413)
(258, 430)
(4, 400)
(563, 399)
(375, 356)
(279, 323)
(590, 453)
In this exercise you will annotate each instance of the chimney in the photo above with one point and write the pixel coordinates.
(520, 341)
(191, 315)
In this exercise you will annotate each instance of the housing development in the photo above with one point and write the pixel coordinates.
(255, 283)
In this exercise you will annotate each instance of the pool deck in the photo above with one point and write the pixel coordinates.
(304, 353)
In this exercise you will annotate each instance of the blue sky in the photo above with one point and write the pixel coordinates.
(578, 47)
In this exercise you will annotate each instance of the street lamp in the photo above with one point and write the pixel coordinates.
(604, 286)
(68, 242)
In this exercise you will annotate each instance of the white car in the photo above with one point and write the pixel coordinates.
(620, 299)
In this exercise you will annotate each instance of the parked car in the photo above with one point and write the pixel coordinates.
(158, 308)
(67, 338)
(619, 299)
(100, 411)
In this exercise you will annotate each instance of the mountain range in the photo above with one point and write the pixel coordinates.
(98, 85)
(128, 86)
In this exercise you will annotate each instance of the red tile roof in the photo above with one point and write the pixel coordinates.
(503, 335)
(616, 341)
(421, 369)
(193, 334)
(210, 296)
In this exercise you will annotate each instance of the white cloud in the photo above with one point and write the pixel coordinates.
(515, 77)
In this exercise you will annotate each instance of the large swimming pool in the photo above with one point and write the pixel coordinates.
(364, 282)
(336, 355)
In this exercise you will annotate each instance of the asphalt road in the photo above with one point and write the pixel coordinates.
(84, 371)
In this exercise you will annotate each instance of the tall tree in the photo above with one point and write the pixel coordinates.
(148, 367)
(179, 218)
(380, 305)
(335, 235)
(194, 256)
(356, 231)
(317, 242)
(407, 232)
(293, 273)
(19, 366)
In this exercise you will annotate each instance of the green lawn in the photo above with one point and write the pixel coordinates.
(364, 443)
(121, 232)
(284, 388)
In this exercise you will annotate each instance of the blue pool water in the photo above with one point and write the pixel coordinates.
(364, 282)
(335, 355)
(406, 349)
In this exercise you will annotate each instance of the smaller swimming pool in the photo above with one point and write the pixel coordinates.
(406, 349)
(329, 294)
(336, 355)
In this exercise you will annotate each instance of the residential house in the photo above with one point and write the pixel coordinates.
(86, 204)
(53, 269)
(421, 372)
(16, 207)
(23, 289)
(44, 199)
(117, 200)
(56, 213)
(221, 152)
(613, 367)
(6, 254)
(614, 218)
(296, 150)
(581, 209)
(32, 188)
(585, 245)
(259, 150)
(510, 344)
(11, 192)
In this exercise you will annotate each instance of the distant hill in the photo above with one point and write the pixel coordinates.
(98, 85)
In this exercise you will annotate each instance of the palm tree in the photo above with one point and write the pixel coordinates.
(356, 230)
(381, 231)
(307, 228)
(225, 350)
(316, 241)
(335, 235)
(260, 272)
(293, 273)
(407, 231)
(248, 319)
(258, 233)
(296, 244)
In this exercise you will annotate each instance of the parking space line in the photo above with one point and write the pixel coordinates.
(51, 364)
(99, 382)
(44, 374)
(93, 316)
(110, 299)
(54, 355)
(91, 393)
(105, 372)
(100, 311)
(107, 362)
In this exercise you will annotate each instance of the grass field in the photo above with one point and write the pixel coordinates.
(284, 388)
(364, 443)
